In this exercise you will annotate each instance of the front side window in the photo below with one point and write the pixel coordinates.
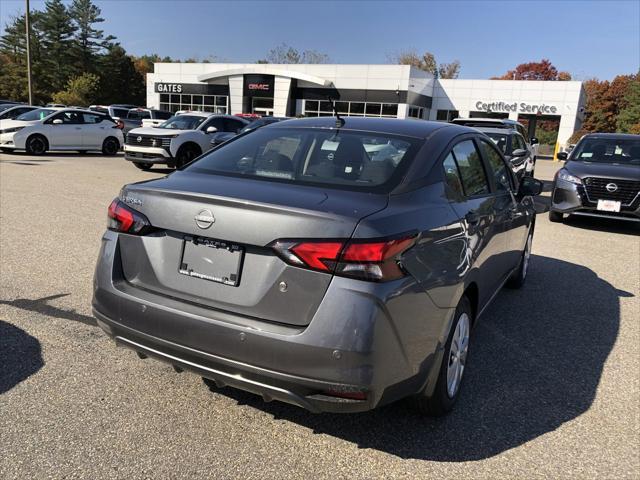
(498, 168)
(68, 118)
(474, 179)
(349, 159)
(37, 114)
(519, 143)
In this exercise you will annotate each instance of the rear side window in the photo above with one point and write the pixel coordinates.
(349, 159)
(474, 179)
(90, 118)
(499, 170)
(452, 175)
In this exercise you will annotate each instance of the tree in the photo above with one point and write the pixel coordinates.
(628, 120)
(119, 79)
(89, 41)
(542, 70)
(80, 91)
(286, 54)
(57, 42)
(426, 61)
(449, 70)
(144, 63)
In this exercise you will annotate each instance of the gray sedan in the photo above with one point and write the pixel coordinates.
(335, 264)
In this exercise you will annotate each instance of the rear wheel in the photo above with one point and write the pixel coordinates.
(454, 361)
(143, 166)
(520, 275)
(186, 153)
(36, 145)
(555, 217)
(110, 146)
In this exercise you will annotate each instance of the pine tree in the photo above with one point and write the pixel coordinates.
(89, 42)
(121, 82)
(57, 42)
(629, 118)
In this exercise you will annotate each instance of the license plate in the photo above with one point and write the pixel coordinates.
(608, 205)
(211, 260)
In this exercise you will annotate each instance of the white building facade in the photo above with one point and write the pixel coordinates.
(394, 91)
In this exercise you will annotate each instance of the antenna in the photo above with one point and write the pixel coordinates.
(339, 120)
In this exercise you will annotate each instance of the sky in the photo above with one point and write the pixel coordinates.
(586, 38)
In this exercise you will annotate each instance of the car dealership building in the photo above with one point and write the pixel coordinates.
(392, 91)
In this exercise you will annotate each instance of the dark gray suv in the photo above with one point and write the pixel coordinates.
(335, 264)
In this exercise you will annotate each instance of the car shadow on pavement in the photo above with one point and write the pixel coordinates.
(40, 305)
(535, 363)
(20, 356)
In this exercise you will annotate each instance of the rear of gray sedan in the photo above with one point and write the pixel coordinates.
(272, 264)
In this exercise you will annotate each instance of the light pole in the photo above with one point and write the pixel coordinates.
(28, 29)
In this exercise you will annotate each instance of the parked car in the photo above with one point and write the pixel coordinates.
(12, 111)
(44, 129)
(4, 101)
(601, 178)
(149, 117)
(514, 148)
(532, 143)
(177, 141)
(316, 275)
(221, 137)
(116, 111)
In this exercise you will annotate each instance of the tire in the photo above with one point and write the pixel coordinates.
(186, 153)
(518, 277)
(143, 166)
(555, 217)
(36, 145)
(110, 146)
(454, 360)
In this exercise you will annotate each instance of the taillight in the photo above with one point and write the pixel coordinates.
(375, 260)
(119, 124)
(122, 218)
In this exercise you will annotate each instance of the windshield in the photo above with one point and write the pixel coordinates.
(607, 150)
(37, 114)
(500, 140)
(183, 122)
(309, 156)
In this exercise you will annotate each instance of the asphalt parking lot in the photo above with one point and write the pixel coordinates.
(552, 389)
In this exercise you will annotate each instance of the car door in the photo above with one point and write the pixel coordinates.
(67, 134)
(476, 208)
(95, 130)
(510, 217)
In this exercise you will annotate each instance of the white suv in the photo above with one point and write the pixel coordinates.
(56, 128)
(179, 140)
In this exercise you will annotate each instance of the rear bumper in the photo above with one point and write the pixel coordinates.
(569, 198)
(388, 349)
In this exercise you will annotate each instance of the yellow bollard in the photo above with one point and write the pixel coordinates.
(555, 152)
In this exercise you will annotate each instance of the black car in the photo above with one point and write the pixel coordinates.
(222, 137)
(601, 178)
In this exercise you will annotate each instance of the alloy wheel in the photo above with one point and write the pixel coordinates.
(458, 354)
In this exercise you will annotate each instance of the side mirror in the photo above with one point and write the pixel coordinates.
(562, 156)
(212, 129)
(534, 141)
(57, 121)
(519, 152)
(530, 186)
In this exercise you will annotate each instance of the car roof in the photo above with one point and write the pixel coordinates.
(394, 126)
(618, 136)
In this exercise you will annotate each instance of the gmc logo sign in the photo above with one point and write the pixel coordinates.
(258, 86)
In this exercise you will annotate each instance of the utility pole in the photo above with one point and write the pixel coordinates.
(28, 29)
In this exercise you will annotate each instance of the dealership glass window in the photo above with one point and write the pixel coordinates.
(416, 112)
(316, 108)
(205, 103)
(446, 115)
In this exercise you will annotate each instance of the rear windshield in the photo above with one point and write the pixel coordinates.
(608, 150)
(183, 122)
(138, 114)
(37, 114)
(349, 159)
(499, 140)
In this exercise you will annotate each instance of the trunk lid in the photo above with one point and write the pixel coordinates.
(245, 213)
